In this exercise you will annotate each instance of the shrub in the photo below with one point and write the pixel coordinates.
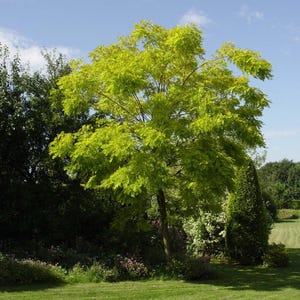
(176, 269)
(270, 205)
(276, 256)
(287, 214)
(196, 268)
(77, 274)
(131, 268)
(191, 268)
(99, 272)
(296, 204)
(114, 269)
(206, 233)
(247, 226)
(84, 253)
(13, 271)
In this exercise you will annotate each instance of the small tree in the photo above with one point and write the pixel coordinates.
(247, 228)
(166, 118)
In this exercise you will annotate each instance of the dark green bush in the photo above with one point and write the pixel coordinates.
(296, 204)
(84, 252)
(190, 268)
(196, 268)
(13, 271)
(276, 256)
(270, 205)
(247, 226)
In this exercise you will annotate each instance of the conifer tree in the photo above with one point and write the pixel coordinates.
(247, 228)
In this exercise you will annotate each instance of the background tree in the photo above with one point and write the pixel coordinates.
(173, 120)
(14, 149)
(247, 228)
(270, 206)
(294, 184)
(38, 200)
(281, 180)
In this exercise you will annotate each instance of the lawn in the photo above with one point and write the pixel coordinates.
(287, 232)
(233, 282)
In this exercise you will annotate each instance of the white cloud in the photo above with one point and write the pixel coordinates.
(195, 16)
(28, 50)
(250, 15)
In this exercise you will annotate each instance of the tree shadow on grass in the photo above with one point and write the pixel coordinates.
(288, 221)
(30, 287)
(260, 278)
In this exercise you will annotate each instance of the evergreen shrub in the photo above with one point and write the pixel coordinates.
(247, 225)
(276, 256)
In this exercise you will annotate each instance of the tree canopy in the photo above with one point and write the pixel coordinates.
(281, 180)
(165, 118)
(37, 200)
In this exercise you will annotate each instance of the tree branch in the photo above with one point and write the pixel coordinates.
(189, 75)
(120, 105)
(138, 101)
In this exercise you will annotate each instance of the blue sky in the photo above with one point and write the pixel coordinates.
(76, 27)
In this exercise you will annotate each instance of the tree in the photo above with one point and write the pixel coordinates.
(167, 118)
(38, 200)
(27, 121)
(13, 107)
(281, 180)
(247, 228)
(294, 182)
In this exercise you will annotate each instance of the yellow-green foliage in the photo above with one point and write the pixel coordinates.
(170, 119)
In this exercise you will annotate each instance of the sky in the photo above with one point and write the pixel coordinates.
(271, 27)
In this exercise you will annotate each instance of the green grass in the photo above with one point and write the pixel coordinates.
(288, 233)
(233, 282)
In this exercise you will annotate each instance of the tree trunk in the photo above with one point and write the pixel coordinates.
(164, 224)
